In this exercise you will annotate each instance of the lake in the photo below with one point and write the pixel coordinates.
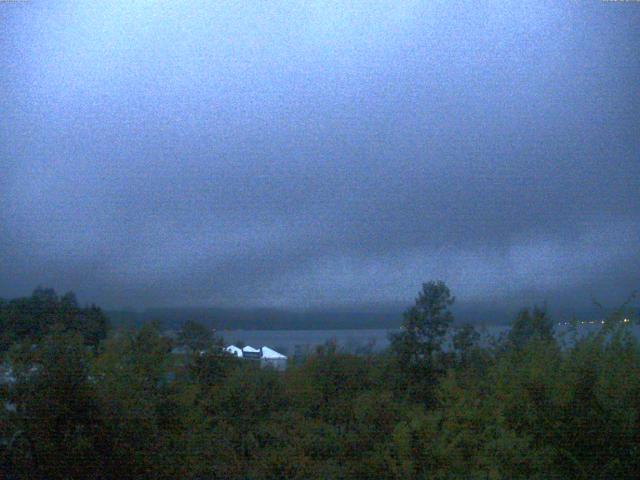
(287, 341)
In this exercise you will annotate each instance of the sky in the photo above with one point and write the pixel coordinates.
(320, 153)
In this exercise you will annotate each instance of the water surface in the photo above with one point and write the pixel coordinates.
(288, 341)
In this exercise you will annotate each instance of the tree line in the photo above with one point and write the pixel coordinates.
(261, 318)
(86, 401)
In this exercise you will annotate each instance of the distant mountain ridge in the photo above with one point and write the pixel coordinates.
(259, 318)
(365, 317)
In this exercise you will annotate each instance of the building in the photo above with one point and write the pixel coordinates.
(251, 353)
(233, 350)
(265, 355)
(271, 358)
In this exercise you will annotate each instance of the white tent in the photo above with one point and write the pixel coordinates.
(268, 357)
(270, 353)
(233, 350)
(251, 353)
(273, 359)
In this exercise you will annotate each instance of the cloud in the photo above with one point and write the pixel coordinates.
(168, 154)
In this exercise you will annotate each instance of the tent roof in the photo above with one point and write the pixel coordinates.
(270, 353)
(235, 350)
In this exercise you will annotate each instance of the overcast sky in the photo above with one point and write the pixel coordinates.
(319, 153)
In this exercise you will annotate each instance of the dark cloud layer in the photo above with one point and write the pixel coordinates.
(317, 154)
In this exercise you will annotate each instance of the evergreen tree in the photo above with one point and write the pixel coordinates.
(527, 326)
(418, 346)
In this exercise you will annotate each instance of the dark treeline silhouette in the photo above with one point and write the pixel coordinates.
(77, 404)
(31, 318)
(260, 318)
(363, 317)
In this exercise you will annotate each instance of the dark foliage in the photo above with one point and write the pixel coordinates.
(525, 408)
(31, 318)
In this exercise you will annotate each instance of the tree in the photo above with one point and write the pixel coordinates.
(132, 384)
(529, 326)
(94, 325)
(418, 345)
(55, 415)
(195, 336)
(32, 318)
(213, 368)
(464, 340)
